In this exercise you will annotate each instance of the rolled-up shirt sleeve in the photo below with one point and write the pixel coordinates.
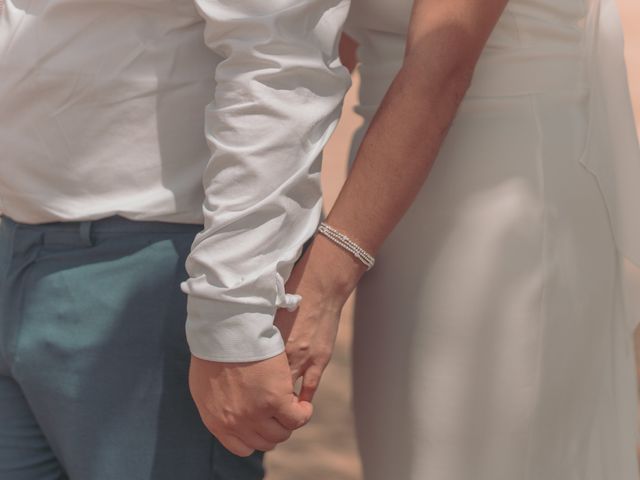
(278, 96)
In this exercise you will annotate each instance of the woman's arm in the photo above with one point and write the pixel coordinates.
(445, 40)
(348, 47)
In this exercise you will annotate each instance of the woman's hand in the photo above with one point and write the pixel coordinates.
(325, 276)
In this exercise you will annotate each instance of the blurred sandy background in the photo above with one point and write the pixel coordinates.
(326, 449)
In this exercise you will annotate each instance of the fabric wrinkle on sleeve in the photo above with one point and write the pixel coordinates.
(278, 96)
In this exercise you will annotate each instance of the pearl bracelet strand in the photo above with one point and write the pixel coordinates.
(346, 243)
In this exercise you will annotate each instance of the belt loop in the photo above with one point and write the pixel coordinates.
(85, 232)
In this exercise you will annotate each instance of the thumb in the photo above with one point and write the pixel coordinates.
(294, 414)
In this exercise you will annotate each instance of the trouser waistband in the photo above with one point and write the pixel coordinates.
(80, 232)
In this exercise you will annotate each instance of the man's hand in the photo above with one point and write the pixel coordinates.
(247, 406)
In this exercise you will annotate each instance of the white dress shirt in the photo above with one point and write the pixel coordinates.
(191, 111)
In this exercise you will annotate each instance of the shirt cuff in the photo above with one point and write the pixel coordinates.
(223, 331)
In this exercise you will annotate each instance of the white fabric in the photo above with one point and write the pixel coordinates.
(493, 339)
(106, 108)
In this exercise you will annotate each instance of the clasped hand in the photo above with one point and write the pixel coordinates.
(254, 406)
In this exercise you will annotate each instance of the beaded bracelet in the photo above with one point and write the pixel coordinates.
(346, 243)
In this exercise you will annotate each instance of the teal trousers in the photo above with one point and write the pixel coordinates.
(93, 356)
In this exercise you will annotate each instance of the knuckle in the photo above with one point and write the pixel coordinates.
(227, 424)
(323, 355)
(269, 446)
(312, 384)
(228, 420)
(242, 451)
(302, 422)
(278, 437)
(295, 357)
(297, 348)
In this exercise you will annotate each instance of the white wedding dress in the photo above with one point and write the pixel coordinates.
(493, 337)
